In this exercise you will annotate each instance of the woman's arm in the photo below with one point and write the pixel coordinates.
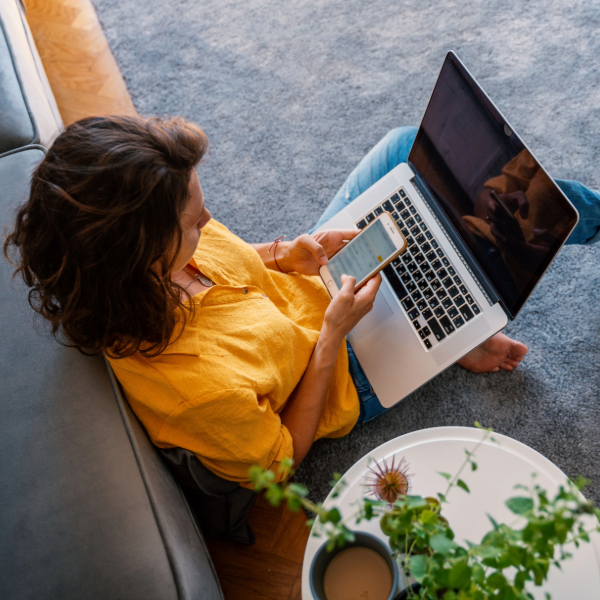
(303, 411)
(306, 253)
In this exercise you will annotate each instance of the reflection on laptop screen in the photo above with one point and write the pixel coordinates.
(508, 211)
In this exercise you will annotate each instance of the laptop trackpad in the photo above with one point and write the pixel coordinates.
(380, 314)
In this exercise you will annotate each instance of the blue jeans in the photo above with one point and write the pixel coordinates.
(392, 150)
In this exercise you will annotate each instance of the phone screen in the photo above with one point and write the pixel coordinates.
(362, 255)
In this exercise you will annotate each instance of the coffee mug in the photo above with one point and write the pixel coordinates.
(322, 559)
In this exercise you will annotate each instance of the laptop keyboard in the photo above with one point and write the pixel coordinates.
(431, 293)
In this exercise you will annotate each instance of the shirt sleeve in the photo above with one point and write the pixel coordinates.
(230, 431)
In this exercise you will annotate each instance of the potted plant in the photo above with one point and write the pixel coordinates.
(433, 565)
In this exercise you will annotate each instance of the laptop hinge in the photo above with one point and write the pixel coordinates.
(464, 251)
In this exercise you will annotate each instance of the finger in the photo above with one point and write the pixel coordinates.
(523, 205)
(348, 284)
(368, 292)
(315, 249)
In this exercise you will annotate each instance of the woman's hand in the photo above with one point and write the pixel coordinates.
(307, 253)
(348, 308)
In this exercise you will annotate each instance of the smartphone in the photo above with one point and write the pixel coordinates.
(501, 202)
(364, 256)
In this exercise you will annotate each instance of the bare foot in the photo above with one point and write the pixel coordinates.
(499, 352)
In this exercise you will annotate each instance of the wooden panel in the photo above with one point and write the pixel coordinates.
(81, 68)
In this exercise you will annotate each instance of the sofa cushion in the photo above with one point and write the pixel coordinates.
(28, 111)
(82, 514)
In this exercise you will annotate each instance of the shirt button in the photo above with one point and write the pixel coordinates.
(245, 290)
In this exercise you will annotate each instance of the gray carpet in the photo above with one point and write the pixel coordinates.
(293, 94)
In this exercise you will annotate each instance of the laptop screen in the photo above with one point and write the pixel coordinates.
(508, 211)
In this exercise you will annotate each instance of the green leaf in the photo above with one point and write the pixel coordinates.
(332, 516)
(440, 543)
(461, 484)
(519, 505)
(298, 490)
(459, 575)
(415, 502)
(441, 497)
(473, 466)
(445, 475)
(418, 566)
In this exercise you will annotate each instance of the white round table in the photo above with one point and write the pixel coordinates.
(502, 465)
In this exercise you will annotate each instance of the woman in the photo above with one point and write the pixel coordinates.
(232, 351)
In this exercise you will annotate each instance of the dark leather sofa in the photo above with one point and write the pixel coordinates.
(88, 507)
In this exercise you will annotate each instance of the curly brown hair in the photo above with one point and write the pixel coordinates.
(98, 236)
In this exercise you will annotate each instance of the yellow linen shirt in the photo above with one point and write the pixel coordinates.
(218, 389)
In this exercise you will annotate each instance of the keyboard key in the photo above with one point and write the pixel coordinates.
(370, 217)
(408, 304)
(422, 284)
(362, 224)
(410, 241)
(407, 200)
(427, 344)
(403, 193)
(401, 269)
(427, 293)
(446, 262)
(421, 304)
(427, 314)
(466, 312)
(440, 253)
(463, 290)
(431, 256)
(411, 287)
(442, 274)
(441, 293)
(439, 312)
(418, 275)
(417, 325)
(447, 302)
(453, 312)
(410, 223)
(418, 218)
(457, 280)
(424, 228)
(395, 198)
(413, 210)
(437, 330)
(447, 325)
(423, 334)
(406, 278)
(427, 234)
(453, 291)
(405, 214)
(470, 299)
(395, 215)
(459, 301)
(378, 210)
(413, 314)
(419, 258)
(436, 264)
(426, 247)
(434, 244)
(447, 282)
(434, 302)
(430, 275)
(396, 284)
(406, 258)
(420, 239)
(416, 295)
(451, 271)
(458, 322)
(387, 205)
(412, 267)
(415, 229)
(476, 309)
(436, 285)
(405, 232)
(396, 262)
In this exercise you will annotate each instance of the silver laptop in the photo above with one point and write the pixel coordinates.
(461, 280)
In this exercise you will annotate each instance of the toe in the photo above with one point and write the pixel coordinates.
(506, 366)
(513, 363)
